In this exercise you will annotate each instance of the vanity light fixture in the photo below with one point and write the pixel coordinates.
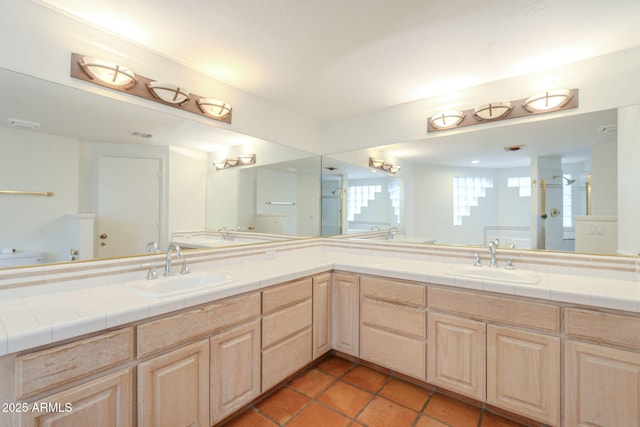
(242, 160)
(107, 72)
(545, 102)
(167, 92)
(116, 77)
(383, 165)
(493, 110)
(214, 107)
(447, 119)
(549, 100)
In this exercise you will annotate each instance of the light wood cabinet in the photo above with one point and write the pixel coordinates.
(235, 369)
(286, 330)
(104, 402)
(321, 314)
(523, 373)
(173, 389)
(393, 325)
(602, 386)
(457, 354)
(346, 313)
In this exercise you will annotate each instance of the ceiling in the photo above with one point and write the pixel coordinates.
(329, 59)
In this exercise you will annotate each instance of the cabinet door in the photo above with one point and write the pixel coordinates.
(321, 315)
(105, 402)
(456, 354)
(285, 358)
(173, 389)
(235, 369)
(523, 373)
(346, 313)
(602, 386)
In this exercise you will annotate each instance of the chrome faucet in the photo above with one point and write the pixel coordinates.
(168, 271)
(391, 233)
(152, 247)
(375, 228)
(493, 245)
(225, 233)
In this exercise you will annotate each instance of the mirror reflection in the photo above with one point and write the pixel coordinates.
(112, 190)
(468, 188)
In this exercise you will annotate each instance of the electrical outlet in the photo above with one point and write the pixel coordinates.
(270, 254)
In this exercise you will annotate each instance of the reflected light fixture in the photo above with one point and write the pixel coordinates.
(214, 107)
(493, 110)
(447, 119)
(241, 160)
(547, 100)
(383, 165)
(168, 92)
(108, 73)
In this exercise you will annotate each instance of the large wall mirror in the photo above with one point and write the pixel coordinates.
(91, 185)
(554, 188)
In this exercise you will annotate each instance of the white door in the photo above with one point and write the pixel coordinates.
(128, 205)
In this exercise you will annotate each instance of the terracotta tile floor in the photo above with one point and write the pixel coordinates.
(337, 392)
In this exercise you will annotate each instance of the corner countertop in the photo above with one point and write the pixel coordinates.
(34, 319)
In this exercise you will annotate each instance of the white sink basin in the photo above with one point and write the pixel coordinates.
(499, 275)
(165, 286)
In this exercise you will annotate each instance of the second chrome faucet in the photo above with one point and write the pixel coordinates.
(168, 271)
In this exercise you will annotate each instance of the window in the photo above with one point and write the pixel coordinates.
(358, 197)
(466, 191)
(394, 195)
(522, 183)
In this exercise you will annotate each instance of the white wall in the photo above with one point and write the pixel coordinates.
(33, 161)
(187, 190)
(604, 181)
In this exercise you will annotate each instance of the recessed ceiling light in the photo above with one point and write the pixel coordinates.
(17, 123)
(512, 148)
(475, 162)
(142, 135)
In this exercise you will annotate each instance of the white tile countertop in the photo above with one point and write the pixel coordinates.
(30, 318)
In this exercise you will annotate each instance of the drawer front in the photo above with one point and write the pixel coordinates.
(281, 324)
(604, 327)
(402, 354)
(393, 291)
(397, 318)
(523, 313)
(284, 295)
(43, 370)
(285, 358)
(184, 327)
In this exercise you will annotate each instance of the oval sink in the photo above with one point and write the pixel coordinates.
(500, 275)
(165, 286)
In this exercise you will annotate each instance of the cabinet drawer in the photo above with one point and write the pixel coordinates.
(285, 358)
(523, 313)
(393, 291)
(605, 327)
(184, 327)
(284, 295)
(279, 325)
(40, 371)
(393, 351)
(404, 320)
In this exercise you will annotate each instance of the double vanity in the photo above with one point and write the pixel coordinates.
(555, 340)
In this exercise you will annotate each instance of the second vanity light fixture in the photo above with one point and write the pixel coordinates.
(115, 76)
(383, 165)
(544, 102)
(241, 160)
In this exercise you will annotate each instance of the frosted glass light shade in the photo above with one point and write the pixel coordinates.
(214, 107)
(447, 119)
(547, 100)
(168, 92)
(493, 110)
(108, 72)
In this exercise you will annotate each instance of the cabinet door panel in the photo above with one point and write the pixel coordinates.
(285, 358)
(321, 315)
(173, 389)
(346, 313)
(456, 354)
(523, 373)
(235, 369)
(602, 386)
(105, 402)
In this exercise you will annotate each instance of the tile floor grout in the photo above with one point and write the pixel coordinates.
(353, 420)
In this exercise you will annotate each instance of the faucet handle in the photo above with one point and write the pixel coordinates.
(185, 267)
(510, 265)
(477, 262)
